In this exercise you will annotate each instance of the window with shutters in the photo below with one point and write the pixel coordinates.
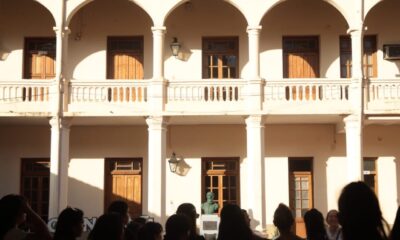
(370, 173)
(39, 58)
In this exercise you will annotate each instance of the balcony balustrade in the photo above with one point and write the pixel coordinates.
(307, 96)
(383, 96)
(26, 96)
(204, 96)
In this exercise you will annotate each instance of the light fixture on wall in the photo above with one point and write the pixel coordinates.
(175, 47)
(4, 53)
(173, 163)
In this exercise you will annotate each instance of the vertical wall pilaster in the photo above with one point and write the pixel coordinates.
(254, 82)
(255, 170)
(157, 130)
(354, 148)
(59, 159)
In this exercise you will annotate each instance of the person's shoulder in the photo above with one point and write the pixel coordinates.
(15, 234)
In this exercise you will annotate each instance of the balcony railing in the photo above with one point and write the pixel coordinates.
(108, 95)
(206, 95)
(315, 95)
(383, 95)
(214, 96)
(26, 95)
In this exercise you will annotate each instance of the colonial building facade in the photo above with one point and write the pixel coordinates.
(262, 102)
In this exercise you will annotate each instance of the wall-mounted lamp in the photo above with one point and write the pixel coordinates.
(173, 163)
(175, 47)
(4, 54)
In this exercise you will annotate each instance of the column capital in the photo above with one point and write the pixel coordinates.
(256, 29)
(60, 123)
(353, 121)
(157, 122)
(159, 29)
(64, 31)
(254, 121)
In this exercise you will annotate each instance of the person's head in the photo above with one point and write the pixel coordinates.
(132, 230)
(232, 224)
(177, 227)
(246, 217)
(314, 221)
(121, 208)
(189, 211)
(108, 226)
(151, 231)
(283, 218)
(69, 224)
(12, 212)
(210, 197)
(332, 219)
(359, 213)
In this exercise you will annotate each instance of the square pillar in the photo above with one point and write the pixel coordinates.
(354, 148)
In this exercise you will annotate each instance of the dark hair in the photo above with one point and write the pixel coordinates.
(68, 219)
(118, 206)
(150, 230)
(283, 218)
(109, 226)
(189, 211)
(10, 206)
(360, 214)
(176, 227)
(315, 228)
(395, 233)
(233, 224)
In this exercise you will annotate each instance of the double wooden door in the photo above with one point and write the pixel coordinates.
(39, 58)
(123, 181)
(301, 60)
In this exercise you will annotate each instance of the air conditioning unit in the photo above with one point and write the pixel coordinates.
(391, 51)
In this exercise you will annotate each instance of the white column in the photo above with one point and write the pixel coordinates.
(354, 148)
(156, 175)
(60, 81)
(59, 159)
(356, 91)
(254, 84)
(255, 169)
(157, 88)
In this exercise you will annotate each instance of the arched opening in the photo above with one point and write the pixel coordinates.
(206, 22)
(312, 22)
(30, 20)
(381, 23)
(117, 43)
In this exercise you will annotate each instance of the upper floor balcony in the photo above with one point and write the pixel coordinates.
(113, 59)
(198, 97)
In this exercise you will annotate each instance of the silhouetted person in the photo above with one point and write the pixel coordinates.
(189, 211)
(151, 231)
(109, 226)
(315, 227)
(247, 220)
(334, 230)
(69, 224)
(14, 209)
(233, 225)
(395, 233)
(121, 208)
(360, 214)
(283, 220)
(177, 227)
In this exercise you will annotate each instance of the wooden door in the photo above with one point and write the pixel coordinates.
(221, 176)
(35, 184)
(125, 57)
(301, 60)
(39, 58)
(124, 182)
(300, 191)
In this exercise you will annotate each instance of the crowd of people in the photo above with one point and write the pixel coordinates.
(358, 218)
